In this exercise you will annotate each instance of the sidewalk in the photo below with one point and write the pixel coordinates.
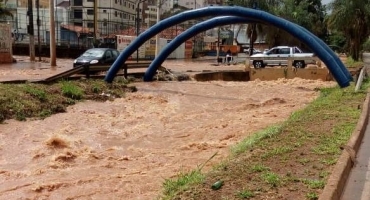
(358, 182)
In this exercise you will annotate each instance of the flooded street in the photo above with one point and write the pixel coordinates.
(126, 148)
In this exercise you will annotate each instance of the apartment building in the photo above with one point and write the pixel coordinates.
(166, 6)
(214, 2)
(24, 3)
(111, 15)
(191, 4)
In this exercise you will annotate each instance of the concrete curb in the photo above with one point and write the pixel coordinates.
(337, 180)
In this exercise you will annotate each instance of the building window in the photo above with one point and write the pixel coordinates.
(90, 11)
(77, 2)
(104, 11)
(90, 0)
(90, 25)
(115, 13)
(77, 14)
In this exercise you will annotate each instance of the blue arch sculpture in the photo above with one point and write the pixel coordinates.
(203, 26)
(196, 29)
(333, 63)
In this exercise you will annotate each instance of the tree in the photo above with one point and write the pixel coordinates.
(310, 14)
(4, 12)
(254, 29)
(352, 17)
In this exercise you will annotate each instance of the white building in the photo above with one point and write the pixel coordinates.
(61, 17)
(112, 15)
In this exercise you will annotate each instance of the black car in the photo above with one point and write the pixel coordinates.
(97, 56)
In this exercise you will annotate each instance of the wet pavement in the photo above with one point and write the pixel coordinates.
(24, 69)
(358, 183)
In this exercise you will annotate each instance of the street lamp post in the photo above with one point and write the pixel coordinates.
(251, 42)
(157, 36)
(38, 28)
(138, 24)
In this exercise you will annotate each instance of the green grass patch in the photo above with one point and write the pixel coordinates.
(350, 63)
(271, 178)
(245, 194)
(314, 184)
(249, 142)
(181, 183)
(312, 196)
(259, 168)
(29, 100)
(71, 90)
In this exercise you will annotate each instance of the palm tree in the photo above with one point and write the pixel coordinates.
(352, 17)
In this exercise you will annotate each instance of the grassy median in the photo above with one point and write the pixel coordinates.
(291, 160)
(29, 100)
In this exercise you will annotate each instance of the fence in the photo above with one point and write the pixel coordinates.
(79, 32)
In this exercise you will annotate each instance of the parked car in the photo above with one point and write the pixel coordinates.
(255, 51)
(278, 56)
(97, 56)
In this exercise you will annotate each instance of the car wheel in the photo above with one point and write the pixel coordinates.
(258, 64)
(299, 64)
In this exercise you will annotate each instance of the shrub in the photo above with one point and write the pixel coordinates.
(366, 46)
(72, 91)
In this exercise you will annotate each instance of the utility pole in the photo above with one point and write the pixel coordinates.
(95, 20)
(218, 46)
(157, 36)
(30, 31)
(38, 28)
(253, 34)
(137, 26)
(53, 60)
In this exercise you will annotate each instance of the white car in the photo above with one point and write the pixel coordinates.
(278, 56)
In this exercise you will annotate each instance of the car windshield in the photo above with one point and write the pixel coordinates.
(93, 53)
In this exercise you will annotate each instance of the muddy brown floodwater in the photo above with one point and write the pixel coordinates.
(126, 148)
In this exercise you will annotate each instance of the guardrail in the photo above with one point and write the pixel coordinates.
(88, 70)
(134, 65)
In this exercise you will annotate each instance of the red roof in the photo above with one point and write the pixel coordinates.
(78, 29)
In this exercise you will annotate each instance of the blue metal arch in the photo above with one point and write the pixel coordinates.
(333, 63)
(196, 29)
